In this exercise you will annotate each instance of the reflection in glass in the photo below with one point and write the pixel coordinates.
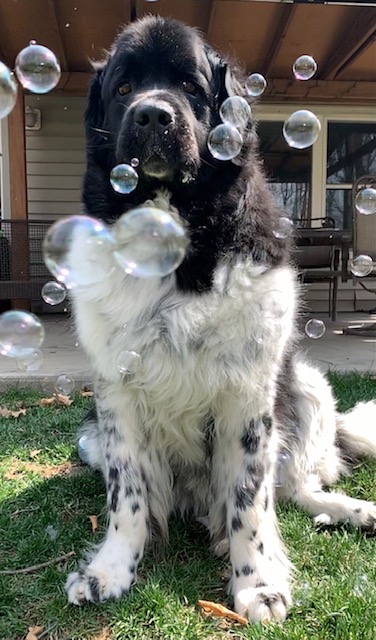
(351, 151)
(288, 170)
(338, 207)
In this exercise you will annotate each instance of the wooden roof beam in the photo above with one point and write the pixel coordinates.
(360, 32)
(278, 37)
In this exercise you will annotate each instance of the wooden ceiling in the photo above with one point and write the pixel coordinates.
(265, 36)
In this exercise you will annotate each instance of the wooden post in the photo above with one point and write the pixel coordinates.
(18, 196)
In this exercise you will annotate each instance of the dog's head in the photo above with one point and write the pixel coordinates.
(155, 98)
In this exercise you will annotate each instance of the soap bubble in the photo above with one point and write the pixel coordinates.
(53, 293)
(123, 178)
(150, 242)
(365, 201)
(8, 91)
(21, 333)
(255, 85)
(284, 228)
(52, 532)
(83, 447)
(301, 129)
(33, 362)
(361, 586)
(361, 266)
(128, 362)
(37, 68)
(57, 244)
(304, 67)
(281, 474)
(225, 142)
(315, 328)
(64, 384)
(135, 162)
(235, 111)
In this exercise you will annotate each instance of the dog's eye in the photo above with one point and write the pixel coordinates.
(125, 88)
(190, 87)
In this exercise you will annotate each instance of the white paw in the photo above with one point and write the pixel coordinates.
(323, 520)
(89, 585)
(263, 604)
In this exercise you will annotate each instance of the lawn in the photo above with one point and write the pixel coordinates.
(43, 485)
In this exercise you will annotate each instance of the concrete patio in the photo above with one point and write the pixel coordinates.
(62, 354)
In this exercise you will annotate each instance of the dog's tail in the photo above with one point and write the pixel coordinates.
(356, 431)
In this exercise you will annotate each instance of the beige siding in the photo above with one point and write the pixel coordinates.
(56, 157)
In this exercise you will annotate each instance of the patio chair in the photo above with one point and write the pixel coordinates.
(364, 234)
(320, 263)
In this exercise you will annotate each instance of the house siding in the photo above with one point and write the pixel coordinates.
(55, 157)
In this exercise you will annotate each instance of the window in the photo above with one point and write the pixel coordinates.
(351, 153)
(288, 170)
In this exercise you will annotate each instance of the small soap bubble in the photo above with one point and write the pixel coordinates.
(83, 447)
(135, 162)
(301, 129)
(284, 228)
(365, 201)
(8, 91)
(303, 594)
(33, 362)
(57, 244)
(361, 586)
(224, 142)
(37, 68)
(281, 474)
(64, 384)
(235, 111)
(52, 532)
(255, 85)
(315, 328)
(304, 67)
(21, 333)
(123, 178)
(150, 242)
(53, 293)
(361, 266)
(128, 362)
(67, 24)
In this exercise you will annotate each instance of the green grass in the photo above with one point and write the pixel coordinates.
(335, 585)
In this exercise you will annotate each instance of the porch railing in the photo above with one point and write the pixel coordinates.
(22, 270)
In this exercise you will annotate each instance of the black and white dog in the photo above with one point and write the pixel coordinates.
(221, 388)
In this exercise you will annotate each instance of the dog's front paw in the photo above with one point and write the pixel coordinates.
(263, 604)
(93, 585)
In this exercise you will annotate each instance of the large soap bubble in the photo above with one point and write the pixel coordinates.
(8, 91)
(37, 68)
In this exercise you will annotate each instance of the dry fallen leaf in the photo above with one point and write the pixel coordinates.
(7, 413)
(34, 633)
(94, 523)
(58, 398)
(34, 453)
(218, 610)
(45, 402)
(86, 393)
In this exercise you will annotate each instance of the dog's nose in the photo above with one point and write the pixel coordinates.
(152, 117)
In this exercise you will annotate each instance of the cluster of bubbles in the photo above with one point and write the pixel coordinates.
(315, 328)
(145, 242)
(37, 70)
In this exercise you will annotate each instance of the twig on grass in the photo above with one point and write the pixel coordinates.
(36, 567)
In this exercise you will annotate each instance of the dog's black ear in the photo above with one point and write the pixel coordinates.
(94, 114)
(227, 79)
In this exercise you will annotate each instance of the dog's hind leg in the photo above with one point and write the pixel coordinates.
(315, 460)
